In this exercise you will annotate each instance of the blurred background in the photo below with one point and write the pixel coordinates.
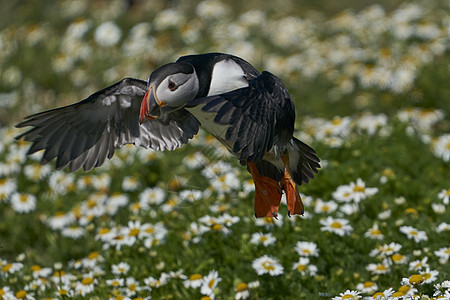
(336, 57)
(370, 82)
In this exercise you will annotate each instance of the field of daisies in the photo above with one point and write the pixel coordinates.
(371, 88)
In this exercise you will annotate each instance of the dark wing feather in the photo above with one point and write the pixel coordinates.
(260, 116)
(307, 163)
(85, 133)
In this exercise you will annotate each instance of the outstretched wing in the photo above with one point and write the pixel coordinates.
(259, 116)
(85, 133)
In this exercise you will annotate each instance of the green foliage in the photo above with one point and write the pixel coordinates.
(192, 209)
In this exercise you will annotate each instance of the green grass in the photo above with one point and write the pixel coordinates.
(399, 158)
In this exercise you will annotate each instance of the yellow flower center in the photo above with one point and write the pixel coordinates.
(195, 277)
(412, 232)
(301, 268)
(403, 289)
(91, 203)
(411, 211)
(359, 189)
(134, 232)
(135, 206)
(104, 231)
(416, 279)
(241, 287)
(93, 255)
(325, 208)
(336, 225)
(381, 267)
(59, 273)
(211, 283)
(379, 294)
(172, 202)
(6, 268)
(205, 298)
(150, 230)
(2, 292)
(375, 231)
(115, 283)
(397, 294)
(397, 257)
(35, 268)
(217, 227)
(347, 296)
(63, 292)
(368, 284)
(268, 266)
(336, 121)
(263, 238)
(388, 172)
(426, 275)
(268, 220)
(21, 294)
(306, 251)
(87, 281)
(60, 214)
(23, 198)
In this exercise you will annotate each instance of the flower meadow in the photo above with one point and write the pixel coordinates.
(370, 84)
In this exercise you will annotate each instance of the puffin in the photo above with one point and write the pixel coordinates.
(250, 113)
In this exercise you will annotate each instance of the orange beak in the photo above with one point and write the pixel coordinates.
(150, 108)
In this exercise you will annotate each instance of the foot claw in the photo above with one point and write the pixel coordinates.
(289, 214)
(275, 215)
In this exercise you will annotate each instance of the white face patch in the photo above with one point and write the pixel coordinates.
(227, 76)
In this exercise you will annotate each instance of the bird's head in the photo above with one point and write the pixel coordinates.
(170, 87)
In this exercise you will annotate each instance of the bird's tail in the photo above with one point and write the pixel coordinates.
(303, 161)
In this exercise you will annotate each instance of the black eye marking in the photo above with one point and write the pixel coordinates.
(172, 85)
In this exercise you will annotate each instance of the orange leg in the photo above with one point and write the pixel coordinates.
(293, 199)
(267, 194)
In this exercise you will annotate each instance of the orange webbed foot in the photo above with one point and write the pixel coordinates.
(293, 199)
(267, 194)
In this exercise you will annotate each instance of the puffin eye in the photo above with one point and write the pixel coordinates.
(172, 85)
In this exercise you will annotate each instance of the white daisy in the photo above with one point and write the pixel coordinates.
(429, 275)
(23, 203)
(266, 239)
(304, 267)
(386, 250)
(443, 254)
(120, 269)
(379, 268)
(351, 295)
(107, 34)
(368, 287)
(7, 187)
(74, 232)
(306, 249)
(340, 227)
(441, 147)
(444, 195)
(154, 196)
(210, 282)
(194, 281)
(419, 264)
(413, 233)
(267, 265)
(324, 206)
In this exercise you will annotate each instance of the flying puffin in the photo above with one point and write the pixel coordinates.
(250, 113)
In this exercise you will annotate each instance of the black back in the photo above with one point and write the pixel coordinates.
(204, 65)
